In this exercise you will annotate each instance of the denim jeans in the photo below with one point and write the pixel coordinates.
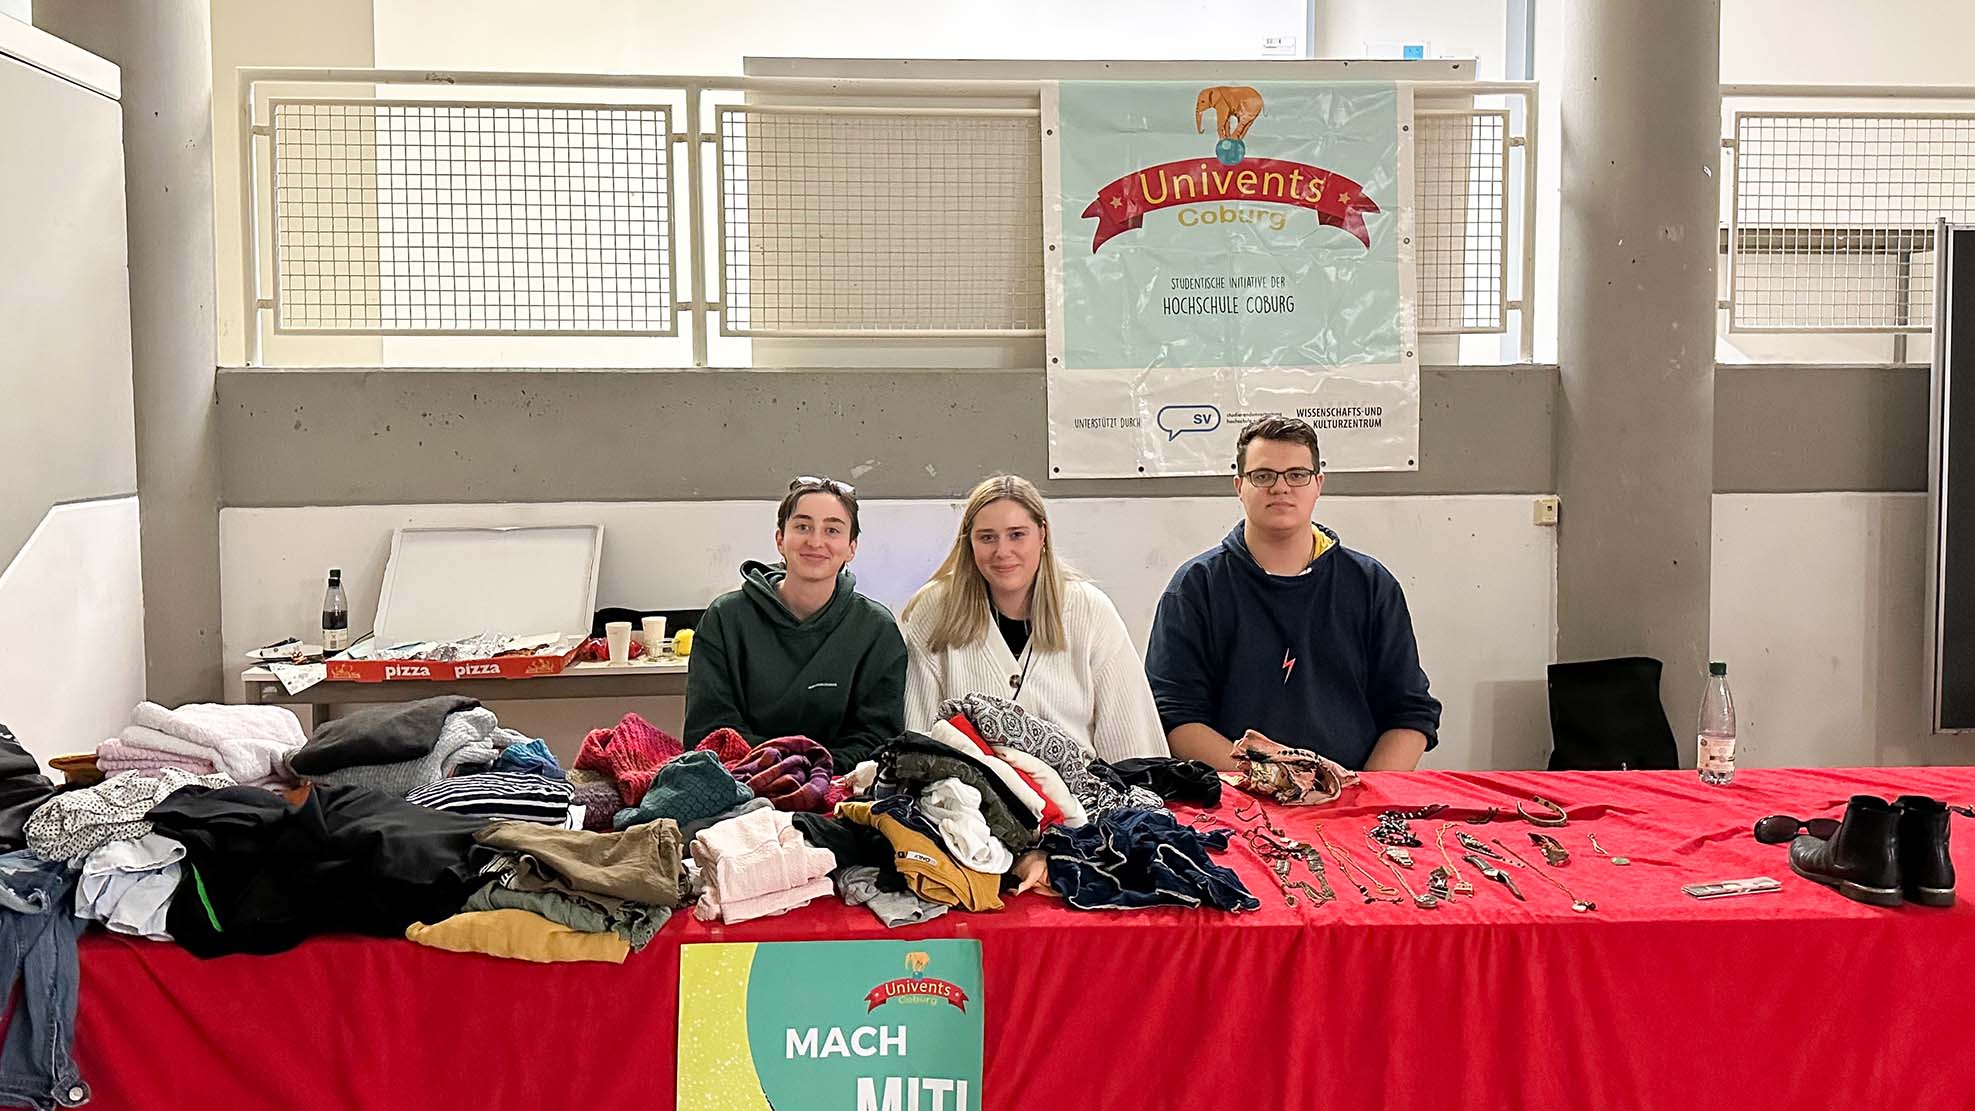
(38, 931)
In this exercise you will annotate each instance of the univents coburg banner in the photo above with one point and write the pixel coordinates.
(1222, 253)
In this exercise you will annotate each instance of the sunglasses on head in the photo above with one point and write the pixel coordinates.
(811, 482)
(1780, 829)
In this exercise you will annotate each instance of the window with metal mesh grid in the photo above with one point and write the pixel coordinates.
(1460, 209)
(879, 221)
(1833, 217)
(427, 217)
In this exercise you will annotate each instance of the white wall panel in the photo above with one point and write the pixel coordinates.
(1817, 609)
(72, 629)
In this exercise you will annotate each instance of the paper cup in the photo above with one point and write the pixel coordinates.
(654, 636)
(618, 633)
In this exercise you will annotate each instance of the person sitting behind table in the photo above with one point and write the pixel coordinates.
(1004, 616)
(797, 651)
(1284, 631)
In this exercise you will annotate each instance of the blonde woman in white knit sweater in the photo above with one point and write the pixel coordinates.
(1004, 616)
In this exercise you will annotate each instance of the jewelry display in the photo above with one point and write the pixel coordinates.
(1557, 816)
(1437, 883)
(1473, 844)
(1581, 906)
(1314, 861)
(1420, 814)
(1600, 850)
(1397, 854)
(1273, 845)
(1420, 900)
(1512, 859)
(1393, 829)
(1350, 864)
(1489, 871)
(1554, 853)
(1455, 883)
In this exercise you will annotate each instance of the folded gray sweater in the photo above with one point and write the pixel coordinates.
(461, 731)
(378, 735)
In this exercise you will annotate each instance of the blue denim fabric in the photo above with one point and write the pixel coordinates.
(1141, 858)
(38, 931)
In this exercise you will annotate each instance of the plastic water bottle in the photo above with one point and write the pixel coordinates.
(1717, 755)
(335, 615)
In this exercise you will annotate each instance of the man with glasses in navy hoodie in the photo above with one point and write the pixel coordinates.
(1284, 631)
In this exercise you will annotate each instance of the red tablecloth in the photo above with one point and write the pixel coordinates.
(1799, 1000)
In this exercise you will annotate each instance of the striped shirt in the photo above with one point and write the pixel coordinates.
(519, 796)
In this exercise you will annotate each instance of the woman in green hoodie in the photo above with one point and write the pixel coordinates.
(796, 651)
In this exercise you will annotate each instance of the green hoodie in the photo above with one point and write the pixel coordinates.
(837, 678)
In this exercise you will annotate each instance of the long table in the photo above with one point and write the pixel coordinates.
(1795, 1000)
(636, 679)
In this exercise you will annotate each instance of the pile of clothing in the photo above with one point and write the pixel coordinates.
(1043, 753)
(957, 809)
(557, 895)
(648, 775)
(250, 744)
(446, 753)
(756, 865)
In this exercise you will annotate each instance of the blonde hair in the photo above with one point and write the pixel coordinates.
(955, 599)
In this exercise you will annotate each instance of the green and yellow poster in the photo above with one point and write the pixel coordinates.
(1219, 252)
(831, 1026)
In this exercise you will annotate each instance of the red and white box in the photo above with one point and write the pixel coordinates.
(449, 584)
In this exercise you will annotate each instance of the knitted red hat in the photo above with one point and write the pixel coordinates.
(726, 744)
(630, 754)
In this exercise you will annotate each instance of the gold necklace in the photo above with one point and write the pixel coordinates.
(1386, 890)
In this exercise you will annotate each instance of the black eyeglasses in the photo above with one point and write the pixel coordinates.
(1264, 477)
(811, 482)
(1781, 829)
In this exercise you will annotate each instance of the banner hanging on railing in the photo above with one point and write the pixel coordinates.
(1198, 281)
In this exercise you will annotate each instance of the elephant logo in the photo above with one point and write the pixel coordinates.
(916, 963)
(1236, 107)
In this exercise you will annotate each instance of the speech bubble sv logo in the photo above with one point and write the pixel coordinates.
(1177, 420)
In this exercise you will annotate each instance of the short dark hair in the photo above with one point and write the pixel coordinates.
(1289, 430)
(842, 491)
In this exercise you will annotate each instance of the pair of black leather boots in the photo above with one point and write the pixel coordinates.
(1884, 853)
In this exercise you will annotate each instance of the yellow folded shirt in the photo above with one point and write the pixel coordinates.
(929, 871)
(521, 935)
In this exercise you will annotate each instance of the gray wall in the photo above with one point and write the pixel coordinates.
(165, 53)
(1794, 429)
(358, 437)
(65, 395)
(336, 437)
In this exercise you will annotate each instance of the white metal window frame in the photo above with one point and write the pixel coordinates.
(724, 112)
(881, 96)
(1853, 95)
(671, 231)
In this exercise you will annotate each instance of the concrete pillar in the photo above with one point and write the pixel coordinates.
(165, 52)
(1641, 110)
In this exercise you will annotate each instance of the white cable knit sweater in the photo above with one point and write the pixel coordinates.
(1095, 689)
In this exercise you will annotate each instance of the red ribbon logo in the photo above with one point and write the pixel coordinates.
(1338, 201)
(895, 989)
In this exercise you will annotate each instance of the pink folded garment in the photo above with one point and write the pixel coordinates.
(113, 766)
(757, 854)
(737, 911)
(116, 755)
(250, 742)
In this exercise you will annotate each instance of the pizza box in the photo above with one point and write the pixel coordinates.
(449, 584)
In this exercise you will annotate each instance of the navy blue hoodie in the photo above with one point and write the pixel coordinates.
(1324, 660)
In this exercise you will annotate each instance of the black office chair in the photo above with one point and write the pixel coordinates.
(1606, 715)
